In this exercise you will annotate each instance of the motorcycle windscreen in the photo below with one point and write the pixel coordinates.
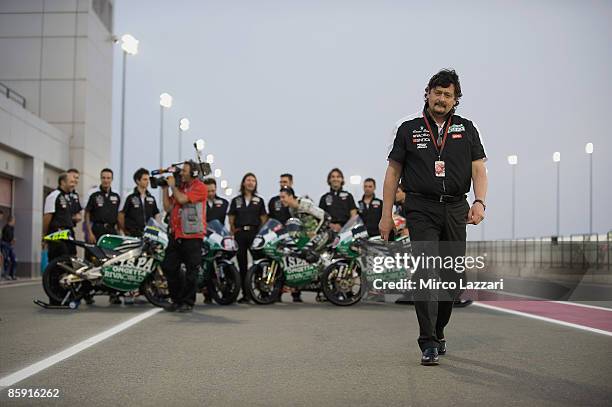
(217, 227)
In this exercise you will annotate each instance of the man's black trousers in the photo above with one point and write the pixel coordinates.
(189, 252)
(244, 240)
(436, 229)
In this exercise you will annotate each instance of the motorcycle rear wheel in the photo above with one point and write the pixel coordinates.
(51, 281)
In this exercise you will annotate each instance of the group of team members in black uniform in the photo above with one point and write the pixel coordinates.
(247, 211)
(104, 211)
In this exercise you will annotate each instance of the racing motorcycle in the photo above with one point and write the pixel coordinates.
(219, 274)
(276, 266)
(115, 265)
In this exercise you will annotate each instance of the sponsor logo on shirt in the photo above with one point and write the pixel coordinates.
(421, 145)
(456, 128)
(456, 136)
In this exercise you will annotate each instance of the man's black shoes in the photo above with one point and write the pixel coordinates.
(171, 307)
(430, 357)
(185, 308)
(442, 347)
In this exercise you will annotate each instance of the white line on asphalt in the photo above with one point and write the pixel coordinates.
(73, 350)
(19, 284)
(584, 305)
(554, 321)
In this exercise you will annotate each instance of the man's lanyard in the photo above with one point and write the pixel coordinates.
(440, 148)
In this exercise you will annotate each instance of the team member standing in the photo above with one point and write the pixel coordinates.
(246, 215)
(276, 209)
(436, 154)
(338, 203)
(57, 215)
(370, 207)
(138, 207)
(75, 202)
(216, 207)
(102, 208)
(187, 208)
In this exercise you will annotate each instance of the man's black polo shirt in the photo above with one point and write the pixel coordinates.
(247, 214)
(103, 206)
(58, 203)
(277, 211)
(371, 214)
(216, 209)
(413, 148)
(338, 204)
(137, 211)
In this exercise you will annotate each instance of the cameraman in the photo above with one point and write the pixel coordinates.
(187, 208)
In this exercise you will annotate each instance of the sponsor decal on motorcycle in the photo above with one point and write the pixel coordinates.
(128, 273)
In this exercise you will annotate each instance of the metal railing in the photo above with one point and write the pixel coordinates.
(556, 252)
(11, 94)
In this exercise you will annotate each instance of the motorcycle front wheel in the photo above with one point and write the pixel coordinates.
(264, 282)
(224, 285)
(341, 283)
(155, 288)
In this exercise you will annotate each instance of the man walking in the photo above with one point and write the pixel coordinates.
(436, 153)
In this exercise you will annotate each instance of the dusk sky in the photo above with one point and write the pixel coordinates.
(301, 87)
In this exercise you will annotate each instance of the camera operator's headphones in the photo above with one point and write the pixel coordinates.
(193, 168)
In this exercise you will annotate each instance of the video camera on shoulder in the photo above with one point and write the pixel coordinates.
(199, 169)
(158, 179)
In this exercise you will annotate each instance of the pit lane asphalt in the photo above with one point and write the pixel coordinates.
(299, 355)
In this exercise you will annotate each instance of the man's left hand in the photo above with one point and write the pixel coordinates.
(476, 214)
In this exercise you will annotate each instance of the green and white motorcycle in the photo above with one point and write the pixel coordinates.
(277, 266)
(117, 265)
(219, 274)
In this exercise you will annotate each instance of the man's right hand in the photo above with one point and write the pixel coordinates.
(386, 226)
(171, 181)
(91, 238)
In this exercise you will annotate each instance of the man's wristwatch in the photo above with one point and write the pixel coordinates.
(480, 201)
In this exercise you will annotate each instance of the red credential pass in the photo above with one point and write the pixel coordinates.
(439, 169)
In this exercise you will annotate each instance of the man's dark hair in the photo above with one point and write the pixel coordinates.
(210, 181)
(62, 177)
(369, 180)
(444, 79)
(73, 171)
(287, 175)
(139, 174)
(248, 174)
(107, 170)
(288, 190)
(330, 174)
